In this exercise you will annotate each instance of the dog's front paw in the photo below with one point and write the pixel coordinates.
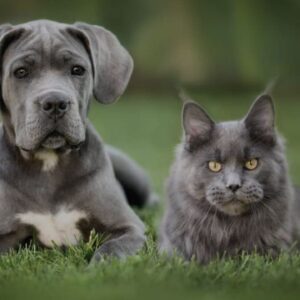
(121, 247)
(106, 252)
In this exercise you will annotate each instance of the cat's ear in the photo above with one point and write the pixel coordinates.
(260, 120)
(197, 125)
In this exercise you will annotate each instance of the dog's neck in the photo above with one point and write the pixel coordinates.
(49, 159)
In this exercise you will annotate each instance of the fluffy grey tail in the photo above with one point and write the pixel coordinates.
(133, 179)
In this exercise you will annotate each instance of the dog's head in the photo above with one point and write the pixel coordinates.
(49, 71)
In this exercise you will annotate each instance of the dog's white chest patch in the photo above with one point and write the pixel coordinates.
(59, 229)
(49, 159)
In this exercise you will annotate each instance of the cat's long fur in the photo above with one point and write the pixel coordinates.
(201, 219)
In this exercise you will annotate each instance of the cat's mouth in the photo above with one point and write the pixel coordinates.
(235, 203)
(233, 207)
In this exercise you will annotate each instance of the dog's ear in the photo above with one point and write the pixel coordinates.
(3, 29)
(112, 64)
(8, 33)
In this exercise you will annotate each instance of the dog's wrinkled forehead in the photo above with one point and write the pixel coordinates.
(111, 64)
(46, 42)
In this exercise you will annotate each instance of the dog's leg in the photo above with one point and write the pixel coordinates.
(133, 179)
(11, 236)
(127, 242)
(8, 242)
(110, 214)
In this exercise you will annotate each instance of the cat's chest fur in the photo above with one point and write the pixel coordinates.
(207, 236)
(59, 228)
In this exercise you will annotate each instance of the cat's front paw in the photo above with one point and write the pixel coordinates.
(96, 259)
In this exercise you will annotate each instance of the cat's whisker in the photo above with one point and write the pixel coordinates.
(206, 215)
(269, 209)
(213, 221)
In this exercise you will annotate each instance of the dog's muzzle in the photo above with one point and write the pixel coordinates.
(54, 123)
(54, 105)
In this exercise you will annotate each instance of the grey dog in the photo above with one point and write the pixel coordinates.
(57, 179)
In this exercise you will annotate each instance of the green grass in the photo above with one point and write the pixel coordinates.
(148, 128)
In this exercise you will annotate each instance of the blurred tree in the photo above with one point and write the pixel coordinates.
(267, 36)
(196, 42)
(124, 17)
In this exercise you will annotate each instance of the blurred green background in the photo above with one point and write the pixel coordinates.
(228, 44)
(223, 53)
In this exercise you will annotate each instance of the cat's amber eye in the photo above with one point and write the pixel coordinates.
(251, 164)
(214, 166)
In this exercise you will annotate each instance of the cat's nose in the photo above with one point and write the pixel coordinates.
(233, 187)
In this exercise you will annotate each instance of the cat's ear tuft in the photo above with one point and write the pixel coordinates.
(197, 125)
(260, 120)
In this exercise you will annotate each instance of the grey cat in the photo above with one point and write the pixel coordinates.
(229, 190)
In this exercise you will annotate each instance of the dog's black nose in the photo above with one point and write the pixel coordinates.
(55, 106)
(234, 187)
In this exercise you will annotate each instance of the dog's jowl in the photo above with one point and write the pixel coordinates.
(57, 179)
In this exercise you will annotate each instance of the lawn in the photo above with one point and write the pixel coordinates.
(148, 128)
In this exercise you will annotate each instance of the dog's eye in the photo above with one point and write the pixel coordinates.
(21, 73)
(77, 71)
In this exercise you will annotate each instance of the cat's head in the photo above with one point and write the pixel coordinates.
(232, 165)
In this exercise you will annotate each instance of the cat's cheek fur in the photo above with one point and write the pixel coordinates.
(217, 194)
(191, 172)
(250, 193)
